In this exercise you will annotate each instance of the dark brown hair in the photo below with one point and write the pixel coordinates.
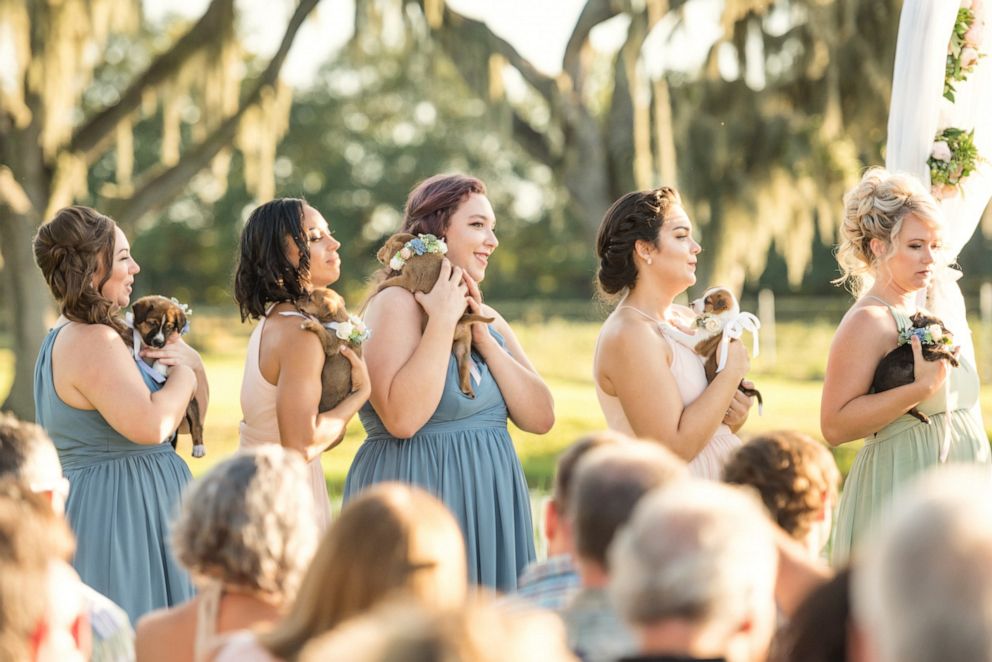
(637, 216)
(431, 203)
(795, 475)
(264, 273)
(817, 632)
(569, 460)
(70, 249)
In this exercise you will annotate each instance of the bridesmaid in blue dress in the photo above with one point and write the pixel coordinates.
(110, 422)
(421, 428)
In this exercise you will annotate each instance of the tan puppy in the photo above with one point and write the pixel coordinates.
(716, 308)
(156, 319)
(418, 273)
(327, 307)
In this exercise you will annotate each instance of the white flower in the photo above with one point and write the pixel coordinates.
(406, 253)
(711, 324)
(357, 323)
(941, 151)
(344, 330)
(965, 4)
(936, 333)
(396, 263)
(443, 246)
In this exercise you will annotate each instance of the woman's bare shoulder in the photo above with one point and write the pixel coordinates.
(625, 328)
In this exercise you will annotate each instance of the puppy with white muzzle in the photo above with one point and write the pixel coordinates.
(154, 320)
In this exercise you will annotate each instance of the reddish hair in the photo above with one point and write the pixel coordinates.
(432, 202)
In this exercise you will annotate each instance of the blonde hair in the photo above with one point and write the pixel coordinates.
(392, 538)
(875, 209)
(249, 523)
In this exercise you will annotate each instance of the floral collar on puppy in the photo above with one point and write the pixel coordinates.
(928, 335)
(354, 330)
(420, 245)
(187, 311)
(709, 323)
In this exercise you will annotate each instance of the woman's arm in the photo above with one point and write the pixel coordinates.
(634, 362)
(300, 361)
(528, 399)
(847, 410)
(93, 367)
(408, 362)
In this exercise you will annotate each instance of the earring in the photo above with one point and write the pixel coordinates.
(649, 260)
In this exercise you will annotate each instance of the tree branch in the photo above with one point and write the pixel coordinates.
(593, 13)
(91, 135)
(533, 141)
(160, 186)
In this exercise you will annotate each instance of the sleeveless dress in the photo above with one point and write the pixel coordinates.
(905, 448)
(690, 377)
(259, 424)
(121, 500)
(464, 456)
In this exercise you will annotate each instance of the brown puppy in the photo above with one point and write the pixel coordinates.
(418, 273)
(717, 307)
(896, 367)
(327, 307)
(156, 319)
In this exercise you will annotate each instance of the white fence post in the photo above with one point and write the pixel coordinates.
(766, 313)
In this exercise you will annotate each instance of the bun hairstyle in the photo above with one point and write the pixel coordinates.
(72, 248)
(432, 202)
(635, 216)
(875, 209)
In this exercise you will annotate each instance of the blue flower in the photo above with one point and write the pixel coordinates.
(417, 245)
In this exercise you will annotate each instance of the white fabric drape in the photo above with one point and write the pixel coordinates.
(917, 111)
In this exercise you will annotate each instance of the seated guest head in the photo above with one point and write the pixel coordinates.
(557, 531)
(393, 538)
(797, 480)
(42, 612)
(608, 483)
(923, 586)
(29, 456)
(817, 631)
(247, 524)
(478, 631)
(693, 573)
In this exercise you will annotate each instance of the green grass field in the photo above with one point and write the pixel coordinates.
(563, 353)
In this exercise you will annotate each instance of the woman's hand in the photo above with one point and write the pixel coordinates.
(739, 408)
(175, 352)
(929, 376)
(738, 361)
(446, 300)
(359, 373)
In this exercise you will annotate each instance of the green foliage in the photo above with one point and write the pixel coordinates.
(962, 161)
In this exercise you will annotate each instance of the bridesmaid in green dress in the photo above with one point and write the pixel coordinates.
(891, 239)
(111, 422)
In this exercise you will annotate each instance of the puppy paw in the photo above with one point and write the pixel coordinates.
(199, 450)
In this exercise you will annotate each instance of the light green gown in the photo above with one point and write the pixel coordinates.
(905, 448)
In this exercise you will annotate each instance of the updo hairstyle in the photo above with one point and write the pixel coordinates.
(636, 216)
(71, 249)
(875, 209)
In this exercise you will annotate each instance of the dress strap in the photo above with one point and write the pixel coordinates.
(902, 320)
(669, 331)
(207, 612)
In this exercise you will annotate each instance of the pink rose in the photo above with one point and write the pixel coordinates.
(965, 4)
(941, 151)
(969, 56)
(974, 36)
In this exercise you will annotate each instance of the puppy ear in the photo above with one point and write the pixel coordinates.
(141, 308)
(178, 318)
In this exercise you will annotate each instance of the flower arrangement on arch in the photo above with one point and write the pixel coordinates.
(953, 157)
(963, 50)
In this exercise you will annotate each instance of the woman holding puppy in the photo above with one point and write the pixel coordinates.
(891, 238)
(649, 384)
(287, 250)
(110, 421)
(421, 427)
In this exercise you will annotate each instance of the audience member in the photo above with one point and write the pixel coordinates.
(608, 483)
(797, 480)
(818, 630)
(29, 456)
(551, 583)
(391, 538)
(402, 631)
(246, 534)
(923, 587)
(42, 612)
(694, 574)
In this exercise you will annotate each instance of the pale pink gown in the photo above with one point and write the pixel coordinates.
(690, 377)
(259, 424)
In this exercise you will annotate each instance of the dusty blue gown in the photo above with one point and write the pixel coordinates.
(465, 457)
(122, 497)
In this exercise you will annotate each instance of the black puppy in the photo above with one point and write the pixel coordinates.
(896, 367)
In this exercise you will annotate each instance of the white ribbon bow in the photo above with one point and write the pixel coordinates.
(733, 330)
